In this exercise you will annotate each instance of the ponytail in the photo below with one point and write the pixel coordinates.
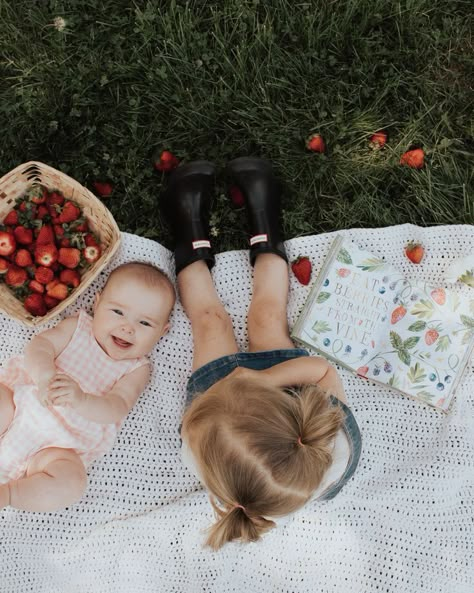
(235, 523)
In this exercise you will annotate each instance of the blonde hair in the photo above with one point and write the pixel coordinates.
(261, 451)
(151, 275)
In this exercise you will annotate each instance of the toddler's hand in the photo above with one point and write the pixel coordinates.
(43, 387)
(64, 391)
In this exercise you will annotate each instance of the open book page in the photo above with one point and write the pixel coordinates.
(365, 315)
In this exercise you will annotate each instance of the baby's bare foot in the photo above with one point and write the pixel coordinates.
(4, 496)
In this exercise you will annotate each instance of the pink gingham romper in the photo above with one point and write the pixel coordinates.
(35, 427)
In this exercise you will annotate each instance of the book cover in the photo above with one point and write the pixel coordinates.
(365, 315)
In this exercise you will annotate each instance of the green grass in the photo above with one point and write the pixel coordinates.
(227, 78)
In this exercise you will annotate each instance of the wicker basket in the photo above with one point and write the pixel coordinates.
(13, 185)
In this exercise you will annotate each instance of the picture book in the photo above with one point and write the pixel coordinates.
(366, 316)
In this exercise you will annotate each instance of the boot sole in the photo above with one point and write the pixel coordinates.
(193, 168)
(248, 163)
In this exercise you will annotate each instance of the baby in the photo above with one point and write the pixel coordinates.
(62, 402)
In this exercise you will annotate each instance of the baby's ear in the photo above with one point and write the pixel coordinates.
(96, 301)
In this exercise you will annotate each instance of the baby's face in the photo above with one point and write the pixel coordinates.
(130, 317)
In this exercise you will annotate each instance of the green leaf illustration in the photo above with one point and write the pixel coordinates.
(467, 278)
(371, 264)
(467, 337)
(443, 344)
(423, 309)
(416, 374)
(396, 340)
(323, 296)
(393, 381)
(468, 321)
(343, 256)
(411, 342)
(320, 327)
(418, 326)
(404, 356)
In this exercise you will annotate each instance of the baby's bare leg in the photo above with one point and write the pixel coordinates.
(267, 318)
(7, 408)
(213, 334)
(55, 479)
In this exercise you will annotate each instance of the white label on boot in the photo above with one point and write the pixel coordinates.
(201, 243)
(258, 239)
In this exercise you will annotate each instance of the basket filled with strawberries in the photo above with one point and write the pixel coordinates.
(55, 238)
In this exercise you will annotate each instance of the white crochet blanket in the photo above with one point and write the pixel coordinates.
(404, 523)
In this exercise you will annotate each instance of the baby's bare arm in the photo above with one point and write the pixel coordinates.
(313, 370)
(117, 403)
(44, 348)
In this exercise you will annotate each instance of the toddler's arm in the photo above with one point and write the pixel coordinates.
(44, 348)
(106, 409)
(307, 370)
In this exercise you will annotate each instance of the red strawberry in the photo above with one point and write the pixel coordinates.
(16, 276)
(91, 253)
(38, 195)
(166, 161)
(104, 189)
(70, 278)
(7, 243)
(45, 235)
(34, 304)
(69, 257)
(343, 272)
(23, 258)
(413, 158)
(65, 243)
(236, 196)
(431, 336)
(55, 198)
(414, 252)
(11, 218)
(46, 255)
(59, 291)
(50, 302)
(44, 275)
(4, 265)
(69, 212)
(42, 212)
(398, 313)
(23, 235)
(90, 240)
(378, 139)
(302, 269)
(36, 286)
(315, 143)
(439, 295)
(80, 226)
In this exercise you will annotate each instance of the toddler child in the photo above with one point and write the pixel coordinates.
(62, 402)
(260, 449)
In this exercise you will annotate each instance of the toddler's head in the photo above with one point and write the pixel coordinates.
(260, 451)
(132, 311)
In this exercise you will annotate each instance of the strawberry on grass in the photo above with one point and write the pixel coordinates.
(315, 143)
(236, 196)
(413, 158)
(103, 188)
(379, 139)
(166, 161)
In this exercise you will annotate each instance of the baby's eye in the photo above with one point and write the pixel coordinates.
(145, 323)
(117, 311)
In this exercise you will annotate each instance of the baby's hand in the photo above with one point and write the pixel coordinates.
(64, 391)
(43, 387)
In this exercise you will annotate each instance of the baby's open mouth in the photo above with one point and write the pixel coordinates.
(121, 343)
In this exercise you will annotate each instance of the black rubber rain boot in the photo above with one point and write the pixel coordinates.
(186, 205)
(261, 189)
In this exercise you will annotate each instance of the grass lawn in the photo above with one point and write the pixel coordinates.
(97, 94)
